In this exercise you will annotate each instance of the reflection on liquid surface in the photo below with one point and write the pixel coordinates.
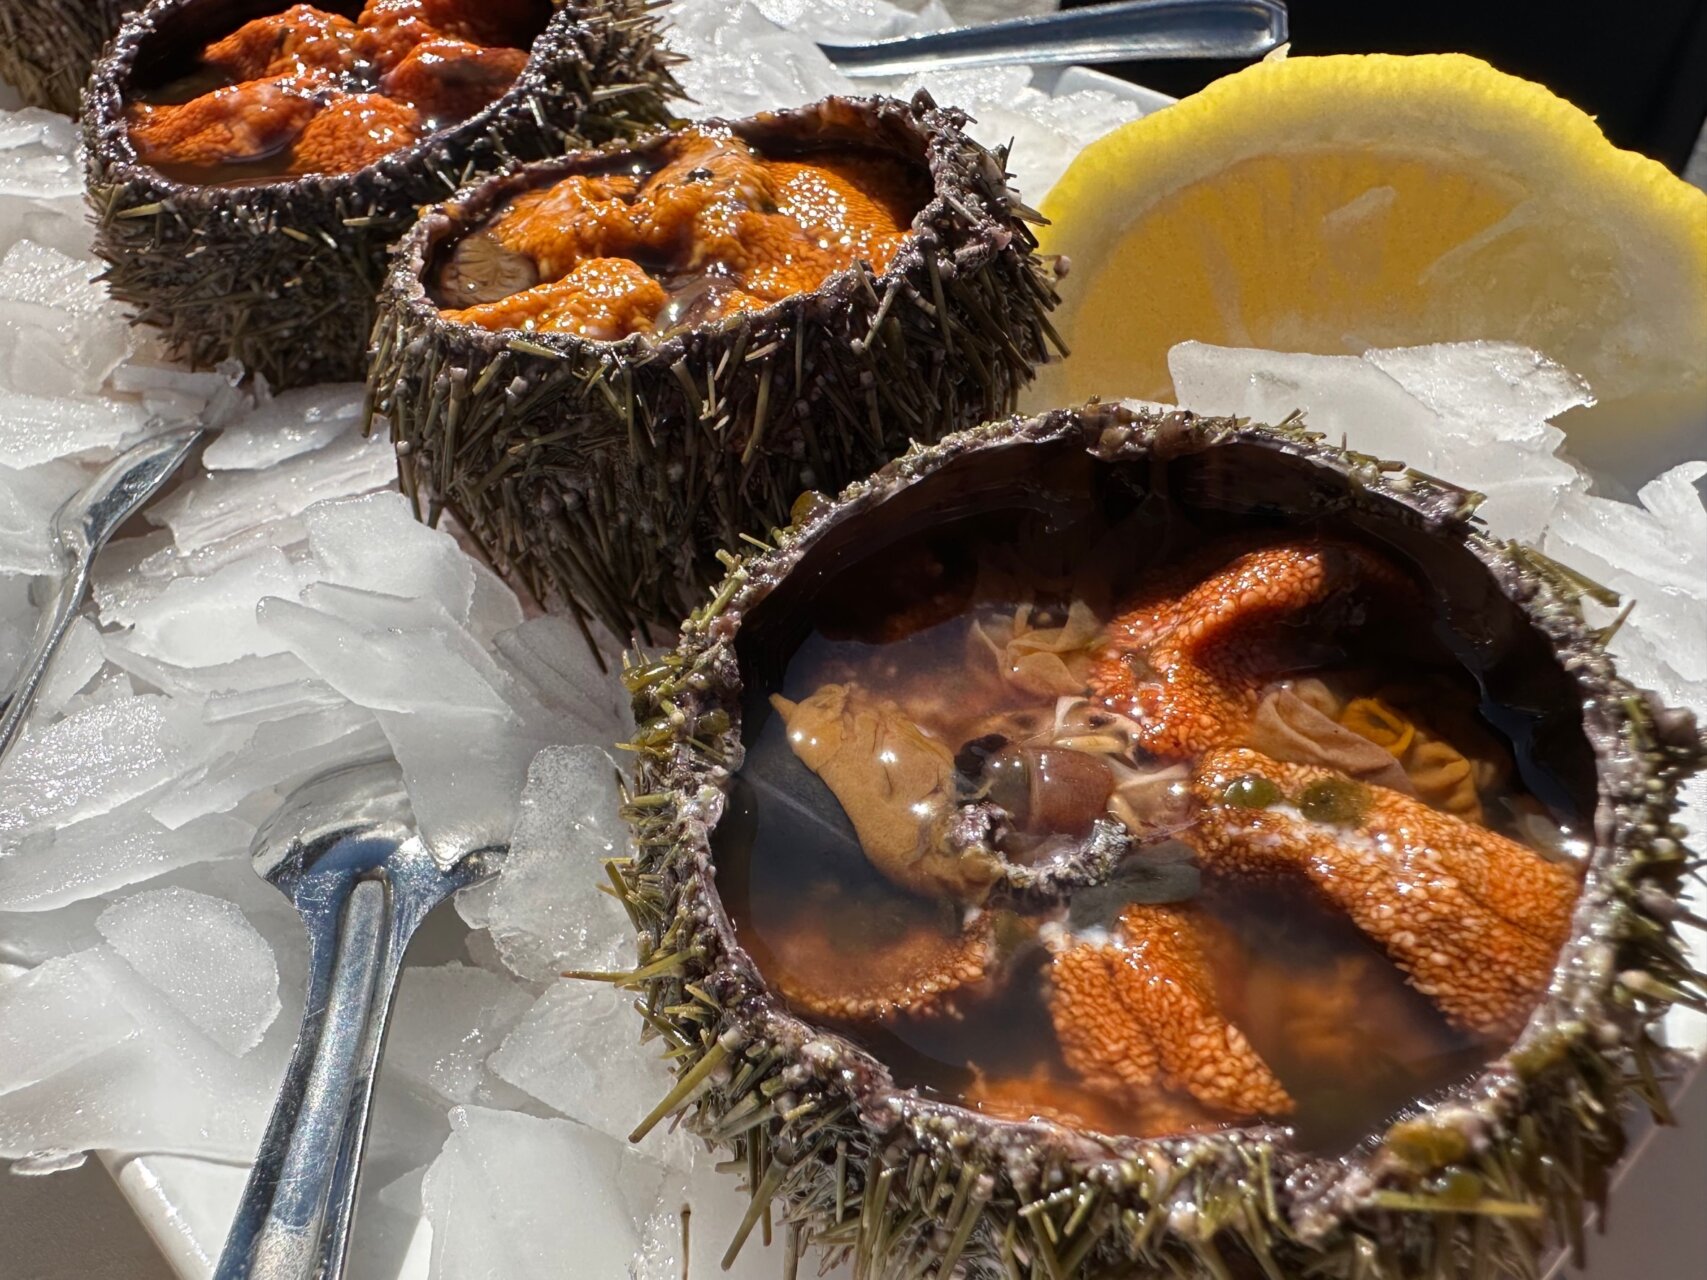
(1340, 887)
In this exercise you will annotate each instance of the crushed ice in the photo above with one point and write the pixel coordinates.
(746, 56)
(287, 613)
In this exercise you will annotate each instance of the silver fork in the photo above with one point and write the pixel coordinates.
(79, 529)
(1121, 32)
(344, 849)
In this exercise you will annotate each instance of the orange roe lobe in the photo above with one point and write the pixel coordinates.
(300, 41)
(1474, 918)
(1141, 1010)
(246, 121)
(849, 210)
(1189, 666)
(726, 229)
(602, 298)
(780, 226)
(1041, 1097)
(577, 218)
(450, 79)
(917, 973)
(391, 28)
(352, 132)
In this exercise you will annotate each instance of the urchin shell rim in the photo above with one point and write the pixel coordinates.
(1468, 1183)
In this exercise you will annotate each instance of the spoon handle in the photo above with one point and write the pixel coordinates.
(1126, 31)
(412, 896)
(293, 1222)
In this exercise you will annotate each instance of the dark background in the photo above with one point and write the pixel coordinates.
(1639, 66)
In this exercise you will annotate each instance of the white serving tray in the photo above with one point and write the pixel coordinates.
(1657, 1231)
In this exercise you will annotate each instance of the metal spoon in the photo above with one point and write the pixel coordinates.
(79, 529)
(1121, 32)
(343, 848)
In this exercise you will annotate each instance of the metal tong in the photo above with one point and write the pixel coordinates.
(1123, 32)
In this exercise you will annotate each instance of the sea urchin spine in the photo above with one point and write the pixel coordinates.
(48, 46)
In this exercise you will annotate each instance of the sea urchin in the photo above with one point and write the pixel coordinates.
(859, 1152)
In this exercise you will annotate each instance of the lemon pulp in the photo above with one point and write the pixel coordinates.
(1334, 204)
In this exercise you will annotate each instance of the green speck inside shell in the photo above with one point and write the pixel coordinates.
(1338, 801)
(1252, 792)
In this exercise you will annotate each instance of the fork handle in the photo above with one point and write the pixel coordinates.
(293, 1222)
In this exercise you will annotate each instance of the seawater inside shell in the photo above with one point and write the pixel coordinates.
(919, 614)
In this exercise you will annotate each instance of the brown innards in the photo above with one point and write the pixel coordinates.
(1187, 719)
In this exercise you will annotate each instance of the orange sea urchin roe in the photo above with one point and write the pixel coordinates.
(450, 79)
(355, 130)
(845, 211)
(719, 228)
(312, 92)
(605, 298)
(580, 217)
(301, 39)
(391, 28)
(239, 122)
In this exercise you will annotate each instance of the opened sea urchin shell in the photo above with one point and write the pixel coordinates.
(281, 272)
(1476, 1178)
(604, 474)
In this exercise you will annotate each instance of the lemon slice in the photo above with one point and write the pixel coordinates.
(1334, 204)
